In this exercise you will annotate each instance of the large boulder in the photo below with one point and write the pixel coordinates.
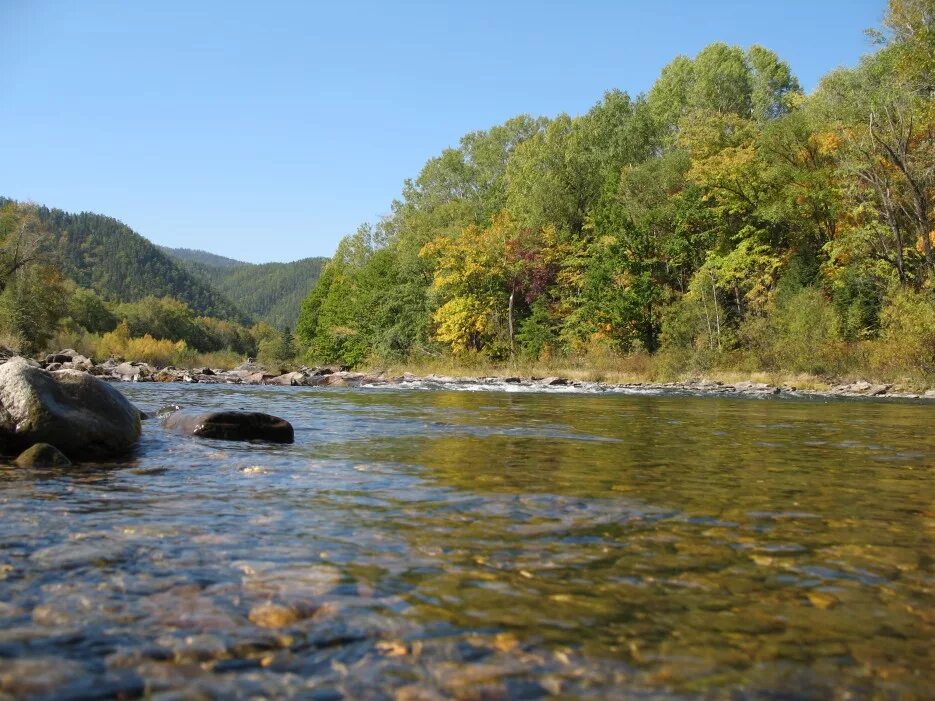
(232, 426)
(76, 412)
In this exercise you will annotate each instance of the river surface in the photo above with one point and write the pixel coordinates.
(420, 545)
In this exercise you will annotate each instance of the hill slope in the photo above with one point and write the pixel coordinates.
(110, 258)
(272, 292)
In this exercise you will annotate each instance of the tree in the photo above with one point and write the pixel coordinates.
(22, 236)
(31, 304)
(483, 275)
(911, 24)
(90, 312)
(774, 90)
(888, 158)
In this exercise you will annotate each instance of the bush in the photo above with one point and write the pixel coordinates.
(90, 312)
(906, 345)
(694, 336)
(77, 338)
(277, 351)
(31, 306)
(224, 360)
(156, 351)
(799, 333)
(114, 343)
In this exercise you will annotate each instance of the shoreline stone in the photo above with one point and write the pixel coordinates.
(42, 455)
(253, 373)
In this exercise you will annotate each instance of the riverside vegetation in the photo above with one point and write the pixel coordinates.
(723, 224)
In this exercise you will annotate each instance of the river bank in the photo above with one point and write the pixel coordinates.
(252, 373)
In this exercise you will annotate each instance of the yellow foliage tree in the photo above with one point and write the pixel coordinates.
(481, 273)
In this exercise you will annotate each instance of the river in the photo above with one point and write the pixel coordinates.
(419, 544)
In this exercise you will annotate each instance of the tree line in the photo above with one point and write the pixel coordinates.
(725, 218)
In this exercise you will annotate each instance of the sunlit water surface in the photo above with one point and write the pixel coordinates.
(419, 544)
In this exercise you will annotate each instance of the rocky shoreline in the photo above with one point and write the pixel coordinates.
(251, 373)
(62, 411)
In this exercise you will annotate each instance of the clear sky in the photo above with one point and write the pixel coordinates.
(267, 131)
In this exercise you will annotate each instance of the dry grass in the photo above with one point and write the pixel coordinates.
(640, 368)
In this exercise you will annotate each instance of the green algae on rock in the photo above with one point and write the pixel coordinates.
(42, 455)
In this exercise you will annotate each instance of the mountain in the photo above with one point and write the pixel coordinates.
(107, 256)
(272, 292)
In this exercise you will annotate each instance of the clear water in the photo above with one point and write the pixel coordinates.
(418, 544)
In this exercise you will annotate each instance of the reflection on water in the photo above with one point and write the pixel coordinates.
(426, 545)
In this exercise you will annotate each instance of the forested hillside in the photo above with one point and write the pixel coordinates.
(105, 255)
(724, 219)
(88, 282)
(272, 292)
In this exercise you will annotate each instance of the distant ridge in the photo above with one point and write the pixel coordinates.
(272, 292)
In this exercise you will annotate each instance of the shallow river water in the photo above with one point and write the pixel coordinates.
(420, 544)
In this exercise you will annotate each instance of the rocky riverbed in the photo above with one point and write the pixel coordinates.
(251, 373)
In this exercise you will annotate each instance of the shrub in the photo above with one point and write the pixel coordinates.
(907, 338)
(114, 343)
(77, 338)
(799, 333)
(31, 306)
(156, 351)
(225, 360)
(536, 335)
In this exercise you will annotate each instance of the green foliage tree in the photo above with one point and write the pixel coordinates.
(31, 305)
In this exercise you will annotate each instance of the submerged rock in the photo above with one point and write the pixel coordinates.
(232, 426)
(72, 410)
(271, 615)
(42, 455)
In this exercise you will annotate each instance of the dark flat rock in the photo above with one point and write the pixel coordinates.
(232, 426)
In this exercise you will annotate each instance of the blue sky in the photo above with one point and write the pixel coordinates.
(267, 131)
